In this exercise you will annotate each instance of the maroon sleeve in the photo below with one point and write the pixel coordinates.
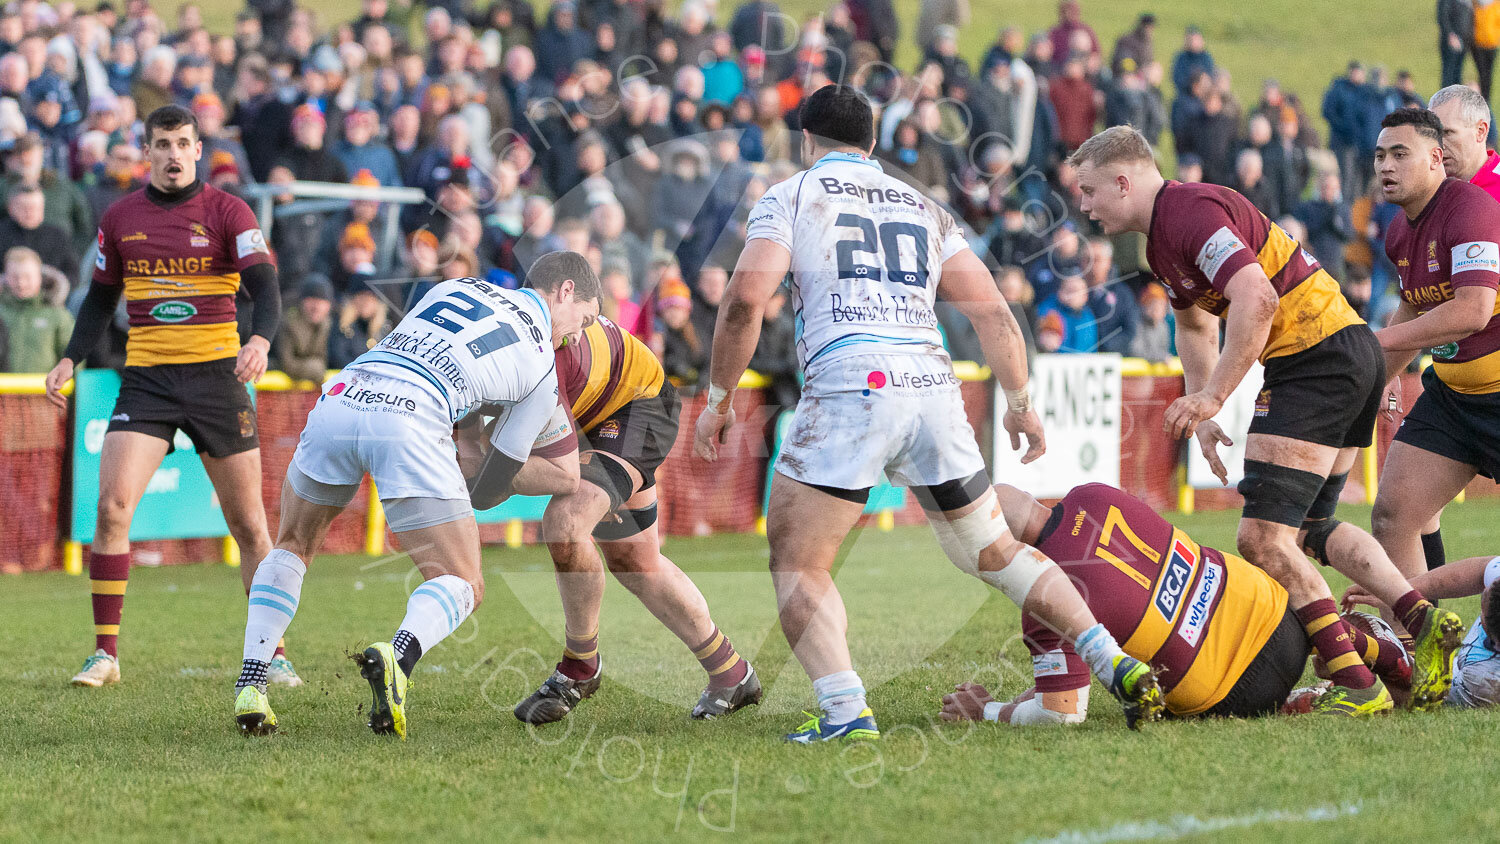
(565, 444)
(1206, 238)
(1054, 664)
(107, 268)
(1471, 234)
(245, 242)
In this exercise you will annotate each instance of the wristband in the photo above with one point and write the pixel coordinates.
(718, 398)
(992, 710)
(1017, 401)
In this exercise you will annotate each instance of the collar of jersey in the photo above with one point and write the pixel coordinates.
(849, 158)
(546, 312)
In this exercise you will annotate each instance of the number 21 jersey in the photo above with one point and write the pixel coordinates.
(867, 252)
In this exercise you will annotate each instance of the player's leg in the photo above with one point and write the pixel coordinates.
(126, 464)
(632, 550)
(1283, 477)
(1415, 485)
(442, 539)
(308, 508)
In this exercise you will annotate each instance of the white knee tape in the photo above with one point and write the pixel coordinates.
(962, 539)
(1019, 575)
(1031, 712)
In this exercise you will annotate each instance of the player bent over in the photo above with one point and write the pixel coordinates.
(466, 345)
(626, 414)
(1323, 386)
(1476, 665)
(868, 257)
(1216, 629)
(178, 250)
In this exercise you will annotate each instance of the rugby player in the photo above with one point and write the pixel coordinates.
(1476, 665)
(467, 347)
(1216, 629)
(1447, 439)
(868, 255)
(1323, 386)
(178, 250)
(625, 412)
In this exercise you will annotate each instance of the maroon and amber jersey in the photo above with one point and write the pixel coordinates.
(1453, 243)
(1199, 616)
(1201, 235)
(180, 264)
(607, 370)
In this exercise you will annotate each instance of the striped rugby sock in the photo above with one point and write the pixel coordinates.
(580, 655)
(434, 610)
(1330, 638)
(275, 592)
(108, 574)
(716, 654)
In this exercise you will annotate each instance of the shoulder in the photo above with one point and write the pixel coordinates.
(127, 204)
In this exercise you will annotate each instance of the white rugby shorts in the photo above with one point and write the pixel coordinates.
(863, 415)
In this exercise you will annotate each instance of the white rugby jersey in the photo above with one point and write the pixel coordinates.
(477, 344)
(867, 252)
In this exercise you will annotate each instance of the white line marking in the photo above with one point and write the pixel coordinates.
(1181, 826)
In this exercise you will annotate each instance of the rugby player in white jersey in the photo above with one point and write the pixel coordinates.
(466, 348)
(868, 254)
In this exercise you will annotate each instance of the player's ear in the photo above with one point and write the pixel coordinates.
(565, 290)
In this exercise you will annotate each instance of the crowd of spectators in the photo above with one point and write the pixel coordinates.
(640, 138)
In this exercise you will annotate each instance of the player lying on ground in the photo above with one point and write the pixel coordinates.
(868, 257)
(1466, 122)
(1216, 629)
(625, 412)
(466, 345)
(1324, 382)
(1476, 665)
(1446, 249)
(178, 250)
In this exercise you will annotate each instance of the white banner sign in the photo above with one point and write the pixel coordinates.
(1234, 417)
(1078, 400)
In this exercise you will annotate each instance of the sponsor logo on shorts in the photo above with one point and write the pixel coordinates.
(908, 382)
(174, 311)
(875, 380)
(609, 430)
(1174, 580)
(377, 399)
(1050, 664)
(1263, 403)
(1197, 613)
(337, 388)
(247, 423)
(120, 417)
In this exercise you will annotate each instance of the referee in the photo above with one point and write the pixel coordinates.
(178, 250)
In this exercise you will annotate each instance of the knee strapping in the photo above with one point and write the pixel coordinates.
(963, 538)
(1328, 497)
(631, 523)
(610, 476)
(1278, 493)
(1315, 541)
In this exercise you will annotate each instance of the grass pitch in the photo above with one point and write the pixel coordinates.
(159, 757)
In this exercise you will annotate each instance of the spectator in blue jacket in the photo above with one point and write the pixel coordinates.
(560, 44)
(1194, 58)
(1111, 300)
(1344, 109)
(1065, 323)
(360, 150)
(1327, 219)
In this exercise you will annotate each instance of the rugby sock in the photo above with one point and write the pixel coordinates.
(841, 695)
(1412, 609)
(408, 650)
(274, 593)
(1097, 647)
(717, 656)
(1381, 660)
(280, 649)
(434, 610)
(1432, 549)
(580, 656)
(108, 574)
(1330, 638)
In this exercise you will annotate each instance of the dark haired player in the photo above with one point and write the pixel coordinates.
(1216, 629)
(1446, 248)
(178, 250)
(625, 411)
(1323, 385)
(868, 257)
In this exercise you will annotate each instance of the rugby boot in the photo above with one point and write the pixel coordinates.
(716, 702)
(1432, 658)
(100, 669)
(557, 696)
(281, 673)
(387, 687)
(252, 711)
(819, 728)
(1354, 703)
(1135, 686)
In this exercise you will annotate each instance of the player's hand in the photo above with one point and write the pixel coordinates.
(251, 363)
(470, 443)
(712, 430)
(1356, 595)
(1029, 425)
(1210, 437)
(1184, 415)
(1393, 401)
(966, 703)
(56, 380)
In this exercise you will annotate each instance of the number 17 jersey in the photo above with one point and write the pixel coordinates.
(867, 252)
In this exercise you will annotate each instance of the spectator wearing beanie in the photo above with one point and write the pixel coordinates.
(301, 347)
(209, 110)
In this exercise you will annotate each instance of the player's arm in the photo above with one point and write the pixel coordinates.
(1252, 306)
(762, 266)
(263, 288)
(1468, 311)
(973, 702)
(1197, 336)
(534, 450)
(94, 314)
(1396, 360)
(1455, 580)
(968, 286)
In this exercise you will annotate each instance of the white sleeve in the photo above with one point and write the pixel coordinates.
(771, 218)
(522, 423)
(951, 235)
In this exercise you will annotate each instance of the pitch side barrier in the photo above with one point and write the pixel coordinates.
(1103, 416)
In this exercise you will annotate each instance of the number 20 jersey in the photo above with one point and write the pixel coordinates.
(474, 343)
(867, 252)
